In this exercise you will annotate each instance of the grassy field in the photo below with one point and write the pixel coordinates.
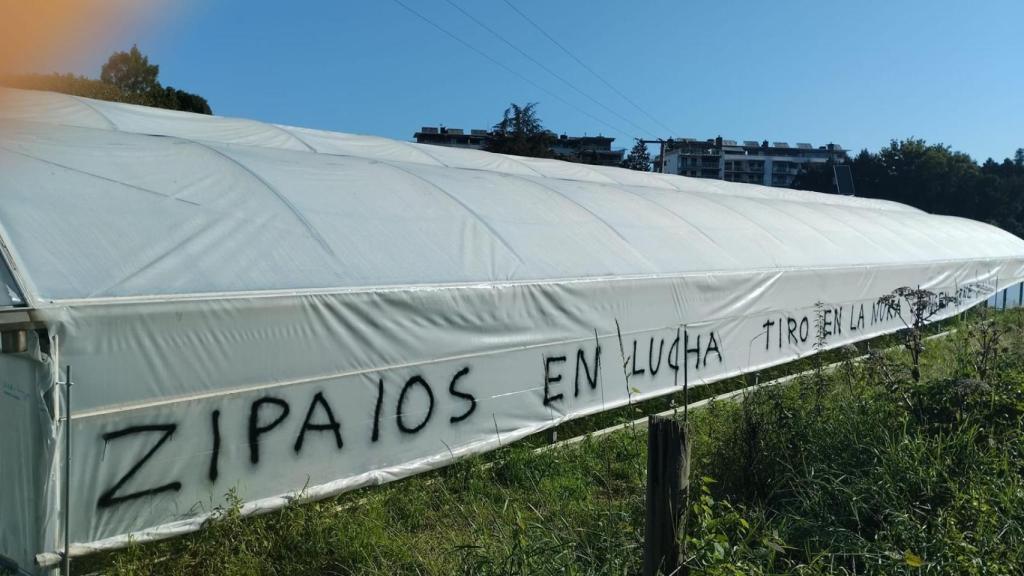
(860, 470)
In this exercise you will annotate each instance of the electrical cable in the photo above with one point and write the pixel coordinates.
(545, 67)
(588, 68)
(510, 70)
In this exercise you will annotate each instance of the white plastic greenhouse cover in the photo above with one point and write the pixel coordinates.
(282, 310)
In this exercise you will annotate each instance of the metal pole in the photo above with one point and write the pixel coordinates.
(66, 570)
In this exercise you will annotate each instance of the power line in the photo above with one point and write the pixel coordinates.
(545, 67)
(588, 68)
(509, 70)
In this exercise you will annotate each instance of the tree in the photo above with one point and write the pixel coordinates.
(639, 158)
(818, 177)
(175, 99)
(131, 73)
(932, 177)
(937, 179)
(520, 132)
(66, 84)
(126, 77)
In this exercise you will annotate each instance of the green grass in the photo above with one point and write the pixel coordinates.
(859, 471)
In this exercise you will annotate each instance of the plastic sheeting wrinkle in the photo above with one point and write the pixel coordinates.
(593, 214)
(149, 264)
(92, 175)
(291, 207)
(95, 111)
(753, 222)
(483, 222)
(767, 206)
(417, 149)
(605, 223)
(596, 177)
(290, 134)
(867, 238)
(523, 164)
(672, 213)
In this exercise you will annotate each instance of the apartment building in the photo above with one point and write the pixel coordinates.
(768, 163)
(582, 149)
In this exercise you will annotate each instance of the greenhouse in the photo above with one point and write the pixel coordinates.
(289, 312)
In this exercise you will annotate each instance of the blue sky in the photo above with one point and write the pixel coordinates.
(856, 73)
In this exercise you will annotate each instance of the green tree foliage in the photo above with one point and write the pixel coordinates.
(639, 158)
(521, 132)
(126, 77)
(131, 73)
(817, 177)
(934, 178)
(175, 99)
(66, 84)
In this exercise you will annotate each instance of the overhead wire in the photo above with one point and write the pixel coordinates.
(544, 67)
(503, 66)
(588, 68)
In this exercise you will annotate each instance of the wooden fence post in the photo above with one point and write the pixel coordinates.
(667, 478)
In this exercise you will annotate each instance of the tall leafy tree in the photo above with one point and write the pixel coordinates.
(521, 132)
(639, 158)
(131, 73)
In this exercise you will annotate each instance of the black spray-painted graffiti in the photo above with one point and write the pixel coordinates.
(782, 331)
(271, 415)
(110, 497)
(698, 346)
(267, 414)
(650, 355)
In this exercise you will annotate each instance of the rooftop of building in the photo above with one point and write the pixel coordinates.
(444, 130)
(734, 145)
(440, 130)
